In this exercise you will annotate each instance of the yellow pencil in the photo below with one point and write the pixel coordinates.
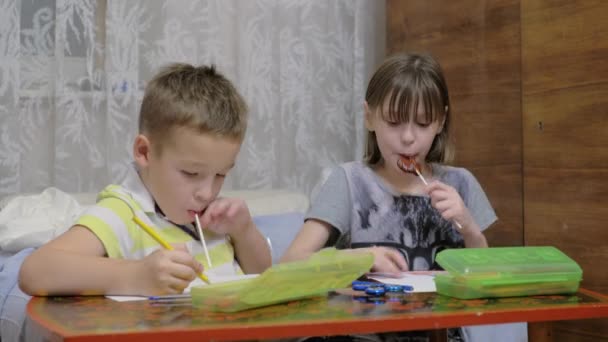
(162, 242)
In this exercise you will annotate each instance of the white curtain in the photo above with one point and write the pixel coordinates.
(72, 74)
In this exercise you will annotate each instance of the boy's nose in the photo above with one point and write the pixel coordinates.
(203, 193)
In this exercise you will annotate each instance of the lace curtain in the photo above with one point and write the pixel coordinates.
(72, 74)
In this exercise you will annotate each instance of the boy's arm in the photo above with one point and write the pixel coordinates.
(74, 263)
(312, 237)
(252, 250)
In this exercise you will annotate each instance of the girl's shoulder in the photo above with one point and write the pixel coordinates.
(452, 175)
(358, 169)
(361, 177)
(353, 165)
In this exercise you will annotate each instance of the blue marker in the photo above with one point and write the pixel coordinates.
(398, 288)
(359, 285)
(171, 297)
(375, 290)
(408, 288)
(393, 288)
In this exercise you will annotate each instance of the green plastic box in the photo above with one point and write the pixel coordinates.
(506, 272)
(326, 270)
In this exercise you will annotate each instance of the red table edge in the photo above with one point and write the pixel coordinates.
(419, 321)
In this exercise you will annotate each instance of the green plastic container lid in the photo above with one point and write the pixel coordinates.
(507, 261)
(506, 272)
(326, 270)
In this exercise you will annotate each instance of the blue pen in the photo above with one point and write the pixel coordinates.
(375, 290)
(359, 285)
(171, 300)
(171, 304)
(393, 288)
(168, 297)
(408, 288)
(398, 288)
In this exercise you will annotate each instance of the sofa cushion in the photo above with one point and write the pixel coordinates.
(280, 229)
(270, 202)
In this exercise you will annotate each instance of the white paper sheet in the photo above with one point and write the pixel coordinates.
(215, 279)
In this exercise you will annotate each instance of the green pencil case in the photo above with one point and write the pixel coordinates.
(506, 272)
(326, 270)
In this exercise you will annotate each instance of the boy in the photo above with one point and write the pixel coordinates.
(191, 126)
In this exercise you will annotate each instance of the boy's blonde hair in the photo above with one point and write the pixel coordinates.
(407, 80)
(182, 95)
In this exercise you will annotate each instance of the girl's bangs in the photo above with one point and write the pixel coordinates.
(405, 100)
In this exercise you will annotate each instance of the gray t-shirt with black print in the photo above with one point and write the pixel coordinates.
(365, 211)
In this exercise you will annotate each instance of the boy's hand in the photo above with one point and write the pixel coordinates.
(227, 216)
(231, 216)
(386, 260)
(166, 272)
(448, 202)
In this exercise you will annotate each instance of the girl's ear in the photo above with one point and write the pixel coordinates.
(141, 150)
(369, 117)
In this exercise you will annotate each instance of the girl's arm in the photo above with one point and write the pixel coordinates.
(312, 237)
(473, 236)
(450, 205)
(314, 234)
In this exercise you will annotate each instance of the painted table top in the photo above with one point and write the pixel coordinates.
(96, 318)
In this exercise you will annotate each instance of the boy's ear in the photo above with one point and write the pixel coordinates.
(369, 117)
(141, 150)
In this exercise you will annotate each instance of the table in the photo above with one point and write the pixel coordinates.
(339, 313)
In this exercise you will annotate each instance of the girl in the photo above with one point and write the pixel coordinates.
(374, 205)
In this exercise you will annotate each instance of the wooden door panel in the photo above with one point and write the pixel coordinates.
(545, 60)
(477, 44)
(563, 44)
(567, 128)
(507, 230)
(565, 134)
(569, 221)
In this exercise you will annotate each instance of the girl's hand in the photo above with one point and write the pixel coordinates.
(165, 272)
(449, 204)
(387, 260)
(227, 216)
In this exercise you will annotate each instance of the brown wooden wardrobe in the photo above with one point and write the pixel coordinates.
(529, 90)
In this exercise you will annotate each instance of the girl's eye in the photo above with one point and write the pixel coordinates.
(423, 124)
(189, 174)
(392, 123)
(221, 175)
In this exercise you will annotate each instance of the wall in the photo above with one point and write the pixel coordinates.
(478, 48)
(529, 89)
(565, 139)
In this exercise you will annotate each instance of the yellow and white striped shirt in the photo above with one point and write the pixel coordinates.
(111, 220)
